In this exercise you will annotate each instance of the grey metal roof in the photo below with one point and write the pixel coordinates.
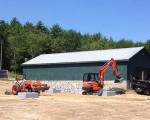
(122, 54)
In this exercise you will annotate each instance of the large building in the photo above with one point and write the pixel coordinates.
(71, 66)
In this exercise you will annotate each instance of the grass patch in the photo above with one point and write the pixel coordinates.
(13, 75)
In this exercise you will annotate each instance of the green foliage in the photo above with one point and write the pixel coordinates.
(28, 41)
(147, 45)
(125, 43)
(14, 75)
(71, 40)
(4, 40)
(56, 31)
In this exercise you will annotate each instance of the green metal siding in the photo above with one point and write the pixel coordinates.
(122, 70)
(70, 71)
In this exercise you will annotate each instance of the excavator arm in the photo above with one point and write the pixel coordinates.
(103, 69)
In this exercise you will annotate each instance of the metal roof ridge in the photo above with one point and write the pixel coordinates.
(91, 50)
(75, 56)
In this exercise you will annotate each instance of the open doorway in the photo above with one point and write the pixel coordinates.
(142, 73)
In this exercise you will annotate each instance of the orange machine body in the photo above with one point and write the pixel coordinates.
(28, 86)
(93, 82)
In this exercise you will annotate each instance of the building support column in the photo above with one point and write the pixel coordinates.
(142, 75)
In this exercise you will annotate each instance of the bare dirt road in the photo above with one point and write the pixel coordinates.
(63, 106)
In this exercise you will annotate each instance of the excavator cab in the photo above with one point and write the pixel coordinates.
(90, 83)
(90, 77)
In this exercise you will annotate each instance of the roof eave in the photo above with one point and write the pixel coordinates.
(39, 64)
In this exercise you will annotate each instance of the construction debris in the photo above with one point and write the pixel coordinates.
(8, 92)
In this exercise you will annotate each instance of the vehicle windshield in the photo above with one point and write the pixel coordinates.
(91, 77)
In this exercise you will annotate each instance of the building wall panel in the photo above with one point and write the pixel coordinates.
(70, 71)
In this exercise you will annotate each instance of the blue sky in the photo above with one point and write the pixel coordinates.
(129, 19)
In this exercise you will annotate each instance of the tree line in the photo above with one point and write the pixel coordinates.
(20, 41)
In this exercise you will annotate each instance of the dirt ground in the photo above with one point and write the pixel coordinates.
(65, 106)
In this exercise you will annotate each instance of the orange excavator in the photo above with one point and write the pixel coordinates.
(94, 82)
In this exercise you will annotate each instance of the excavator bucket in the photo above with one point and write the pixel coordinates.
(118, 80)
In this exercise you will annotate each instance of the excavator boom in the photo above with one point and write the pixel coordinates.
(103, 69)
